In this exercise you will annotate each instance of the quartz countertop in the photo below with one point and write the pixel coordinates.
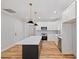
(59, 37)
(32, 40)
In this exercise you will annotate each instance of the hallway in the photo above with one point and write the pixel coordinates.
(49, 50)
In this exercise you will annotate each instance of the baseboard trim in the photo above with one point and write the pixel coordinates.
(3, 50)
(11, 45)
(69, 55)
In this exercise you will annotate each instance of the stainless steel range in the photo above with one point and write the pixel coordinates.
(44, 36)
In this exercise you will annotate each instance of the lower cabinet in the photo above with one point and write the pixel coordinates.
(59, 44)
(30, 52)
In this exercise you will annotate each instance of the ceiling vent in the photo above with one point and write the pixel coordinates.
(9, 10)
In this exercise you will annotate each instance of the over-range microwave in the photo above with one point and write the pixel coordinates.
(43, 28)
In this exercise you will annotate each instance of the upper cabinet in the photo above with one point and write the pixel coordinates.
(69, 13)
(50, 25)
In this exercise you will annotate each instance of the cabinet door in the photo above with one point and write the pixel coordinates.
(30, 51)
(38, 28)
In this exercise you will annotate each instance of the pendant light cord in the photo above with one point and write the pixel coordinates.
(30, 10)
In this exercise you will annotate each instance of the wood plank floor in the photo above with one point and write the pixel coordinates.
(49, 50)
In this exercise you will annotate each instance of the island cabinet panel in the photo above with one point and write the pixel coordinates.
(30, 52)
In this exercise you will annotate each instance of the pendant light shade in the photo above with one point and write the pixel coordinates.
(30, 22)
(36, 24)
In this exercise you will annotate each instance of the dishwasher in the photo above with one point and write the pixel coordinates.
(59, 44)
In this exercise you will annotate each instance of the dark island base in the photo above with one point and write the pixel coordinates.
(30, 52)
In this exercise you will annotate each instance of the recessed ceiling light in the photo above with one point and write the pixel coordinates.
(39, 17)
(55, 12)
(26, 17)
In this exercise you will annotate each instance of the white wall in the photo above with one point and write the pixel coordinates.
(19, 29)
(11, 31)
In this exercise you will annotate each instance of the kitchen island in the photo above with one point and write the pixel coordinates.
(31, 47)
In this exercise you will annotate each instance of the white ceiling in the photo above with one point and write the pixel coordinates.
(46, 9)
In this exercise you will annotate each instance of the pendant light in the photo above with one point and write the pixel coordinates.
(35, 17)
(36, 24)
(30, 21)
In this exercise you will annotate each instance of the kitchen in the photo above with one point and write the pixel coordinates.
(37, 23)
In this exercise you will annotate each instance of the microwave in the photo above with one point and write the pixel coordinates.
(43, 28)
